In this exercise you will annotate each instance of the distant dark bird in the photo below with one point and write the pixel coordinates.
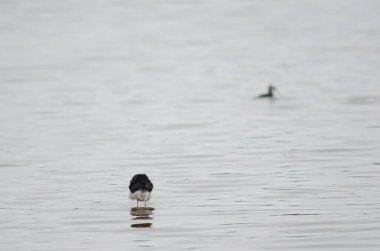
(271, 88)
(140, 188)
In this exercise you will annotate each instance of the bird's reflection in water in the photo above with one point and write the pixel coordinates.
(142, 214)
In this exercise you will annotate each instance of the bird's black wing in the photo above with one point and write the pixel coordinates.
(134, 187)
(149, 186)
(135, 184)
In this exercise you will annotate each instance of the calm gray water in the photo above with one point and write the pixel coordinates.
(93, 92)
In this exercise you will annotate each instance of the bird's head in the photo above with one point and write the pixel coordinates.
(271, 88)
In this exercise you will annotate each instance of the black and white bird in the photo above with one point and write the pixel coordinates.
(271, 88)
(140, 188)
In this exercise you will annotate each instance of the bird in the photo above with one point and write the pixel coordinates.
(140, 188)
(271, 88)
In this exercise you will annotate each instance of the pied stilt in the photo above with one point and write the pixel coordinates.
(140, 188)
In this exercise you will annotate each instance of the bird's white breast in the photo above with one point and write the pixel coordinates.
(140, 195)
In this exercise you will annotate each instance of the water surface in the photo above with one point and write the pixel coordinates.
(93, 92)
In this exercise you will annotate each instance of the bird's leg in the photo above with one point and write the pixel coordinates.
(137, 201)
(145, 203)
